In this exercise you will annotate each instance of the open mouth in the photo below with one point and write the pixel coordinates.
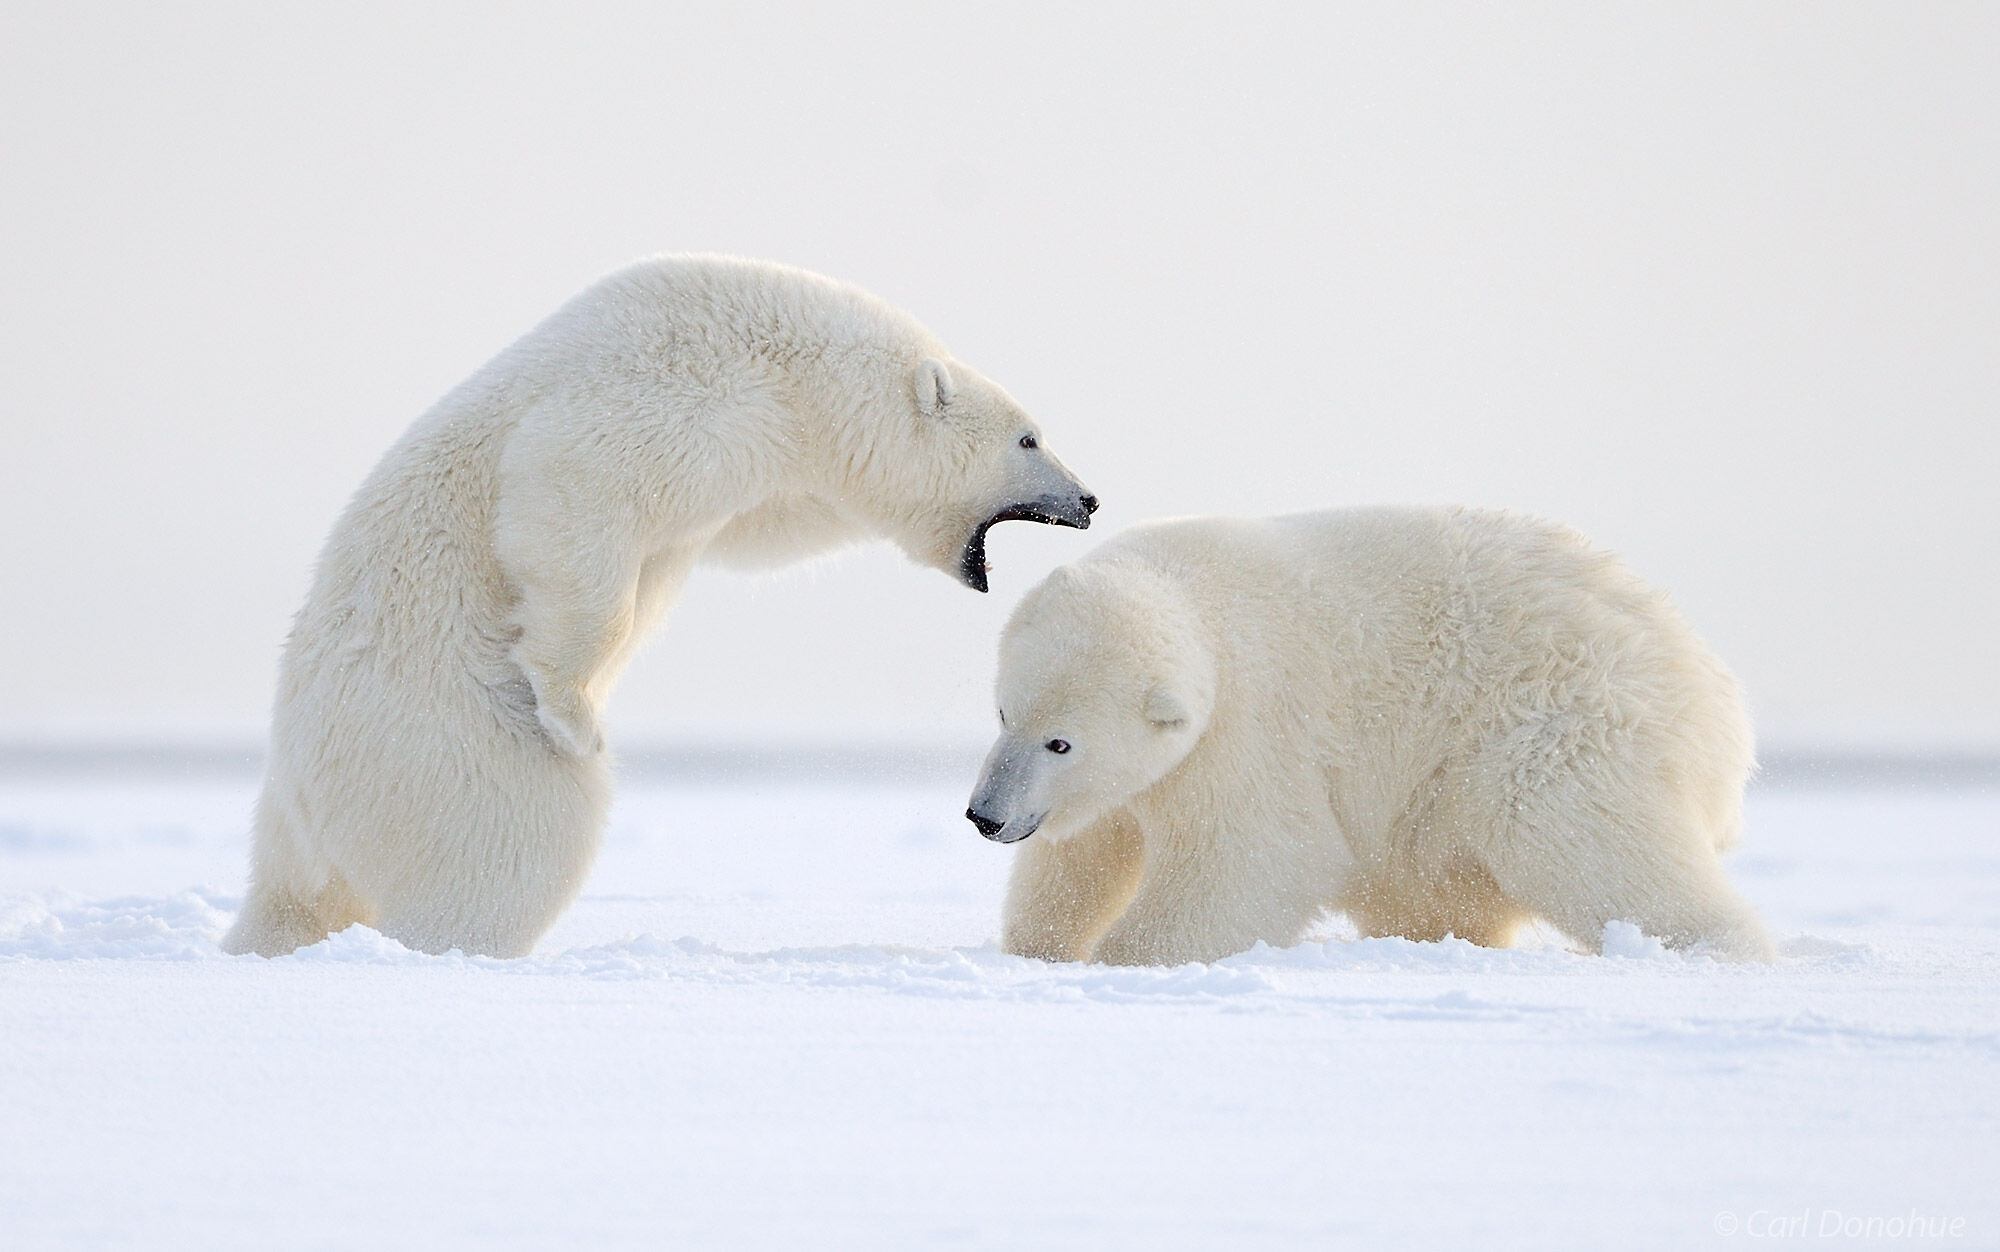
(972, 562)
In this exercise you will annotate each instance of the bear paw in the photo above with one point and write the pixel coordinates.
(566, 718)
(575, 735)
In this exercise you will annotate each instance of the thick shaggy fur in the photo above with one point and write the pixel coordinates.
(1440, 721)
(436, 768)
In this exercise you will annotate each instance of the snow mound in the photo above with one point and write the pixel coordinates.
(184, 926)
(1623, 939)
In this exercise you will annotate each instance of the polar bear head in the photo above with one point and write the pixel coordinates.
(978, 460)
(1106, 683)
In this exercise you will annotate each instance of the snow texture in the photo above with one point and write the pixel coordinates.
(778, 1018)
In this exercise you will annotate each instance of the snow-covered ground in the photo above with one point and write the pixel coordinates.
(778, 1018)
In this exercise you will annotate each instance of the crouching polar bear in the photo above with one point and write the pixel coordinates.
(436, 767)
(1439, 721)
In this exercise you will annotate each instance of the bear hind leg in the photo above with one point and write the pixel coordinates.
(497, 901)
(277, 920)
(445, 923)
(1583, 862)
(294, 899)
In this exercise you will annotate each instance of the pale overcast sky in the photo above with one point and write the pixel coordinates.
(1719, 284)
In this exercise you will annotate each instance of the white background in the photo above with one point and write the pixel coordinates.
(1719, 284)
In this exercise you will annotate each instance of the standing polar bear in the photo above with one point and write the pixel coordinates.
(436, 768)
(1440, 721)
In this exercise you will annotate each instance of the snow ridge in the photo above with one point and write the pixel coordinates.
(1388, 980)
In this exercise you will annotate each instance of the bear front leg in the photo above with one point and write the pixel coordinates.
(565, 639)
(579, 618)
(1202, 902)
(1063, 893)
(1172, 923)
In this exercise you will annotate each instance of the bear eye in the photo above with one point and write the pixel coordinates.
(1057, 746)
(1027, 441)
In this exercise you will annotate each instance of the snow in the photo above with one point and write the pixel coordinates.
(777, 1018)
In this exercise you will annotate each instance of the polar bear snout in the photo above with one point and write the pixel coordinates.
(985, 825)
(1007, 804)
(1002, 831)
(1071, 508)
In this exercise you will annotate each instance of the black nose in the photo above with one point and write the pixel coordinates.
(987, 826)
(1090, 504)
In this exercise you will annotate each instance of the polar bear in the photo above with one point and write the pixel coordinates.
(436, 768)
(1439, 721)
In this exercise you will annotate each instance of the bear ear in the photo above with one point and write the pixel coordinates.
(934, 389)
(1164, 708)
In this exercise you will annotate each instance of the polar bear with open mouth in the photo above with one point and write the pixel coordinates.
(436, 768)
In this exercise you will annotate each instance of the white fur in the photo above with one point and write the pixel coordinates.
(1440, 721)
(435, 764)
